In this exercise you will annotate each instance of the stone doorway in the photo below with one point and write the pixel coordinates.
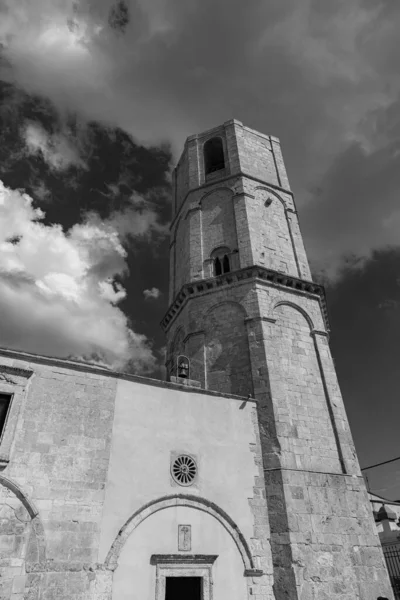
(192, 572)
(183, 588)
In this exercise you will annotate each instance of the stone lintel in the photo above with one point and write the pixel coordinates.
(184, 559)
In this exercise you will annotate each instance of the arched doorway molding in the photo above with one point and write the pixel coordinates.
(195, 502)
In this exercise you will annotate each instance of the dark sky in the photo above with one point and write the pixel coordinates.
(96, 100)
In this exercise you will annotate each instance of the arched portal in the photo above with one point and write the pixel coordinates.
(179, 500)
(148, 551)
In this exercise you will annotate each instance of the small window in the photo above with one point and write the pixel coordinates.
(5, 400)
(214, 155)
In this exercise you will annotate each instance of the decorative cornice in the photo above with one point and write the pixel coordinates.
(198, 288)
(183, 559)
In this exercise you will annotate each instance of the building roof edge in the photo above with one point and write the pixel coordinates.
(107, 372)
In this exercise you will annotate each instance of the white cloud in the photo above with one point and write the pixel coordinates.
(58, 152)
(58, 292)
(140, 220)
(152, 294)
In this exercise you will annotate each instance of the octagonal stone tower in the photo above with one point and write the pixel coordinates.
(246, 313)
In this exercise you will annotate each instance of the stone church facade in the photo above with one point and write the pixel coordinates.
(237, 478)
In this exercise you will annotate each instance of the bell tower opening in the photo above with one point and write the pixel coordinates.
(214, 155)
(183, 588)
(221, 262)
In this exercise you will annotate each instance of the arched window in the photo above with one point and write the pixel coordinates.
(217, 267)
(214, 155)
(221, 261)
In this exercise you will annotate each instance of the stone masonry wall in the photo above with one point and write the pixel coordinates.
(324, 543)
(271, 242)
(227, 356)
(213, 324)
(255, 155)
(59, 460)
(281, 242)
(182, 254)
(303, 421)
(236, 216)
(323, 539)
(217, 222)
(15, 533)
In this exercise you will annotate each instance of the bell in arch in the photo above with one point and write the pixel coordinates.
(183, 366)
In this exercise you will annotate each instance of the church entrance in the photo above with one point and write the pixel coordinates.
(183, 588)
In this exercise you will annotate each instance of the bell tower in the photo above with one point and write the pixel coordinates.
(245, 313)
(235, 241)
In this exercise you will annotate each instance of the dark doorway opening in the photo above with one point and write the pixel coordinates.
(183, 588)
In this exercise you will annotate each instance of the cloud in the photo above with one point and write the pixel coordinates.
(152, 294)
(57, 151)
(152, 80)
(58, 291)
(313, 73)
(357, 208)
(139, 221)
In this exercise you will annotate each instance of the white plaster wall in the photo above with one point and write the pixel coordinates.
(134, 579)
(149, 423)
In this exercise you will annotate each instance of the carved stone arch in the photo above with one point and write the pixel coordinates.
(273, 193)
(34, 544)
(218, 305)
(216, 189)
(301, 310)
(190, 501)
(220, 249)
(13, 487)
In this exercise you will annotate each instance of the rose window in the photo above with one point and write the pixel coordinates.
(184, 470)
